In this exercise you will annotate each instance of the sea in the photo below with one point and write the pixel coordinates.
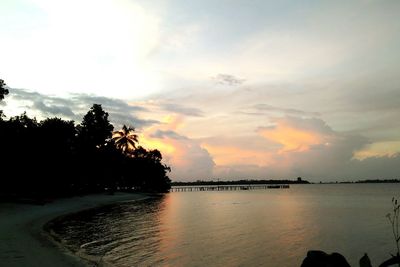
(267, 227)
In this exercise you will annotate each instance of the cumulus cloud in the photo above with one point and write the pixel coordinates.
(297, 134)
(187, 158)
(290, 136)
(314, 92)
(310, 148)
(297, 146)
(239, 150)
(287, 146)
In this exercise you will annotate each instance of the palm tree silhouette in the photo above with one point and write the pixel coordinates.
(125, 139)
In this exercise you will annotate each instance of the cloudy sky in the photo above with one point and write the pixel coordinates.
(225, 89)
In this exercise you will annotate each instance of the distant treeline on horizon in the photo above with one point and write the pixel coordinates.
(240, 182)
(297, 181)
(373, 181)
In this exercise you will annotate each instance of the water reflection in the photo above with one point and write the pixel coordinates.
(253, 228)
(128, 232)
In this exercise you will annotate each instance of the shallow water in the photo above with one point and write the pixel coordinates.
(274, 227)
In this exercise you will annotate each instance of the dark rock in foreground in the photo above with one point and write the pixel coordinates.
(364, 261)
(317, 258)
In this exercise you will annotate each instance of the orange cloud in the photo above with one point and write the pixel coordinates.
(173, 122)
(151, 143)
(165, 145)
(184, 155)
(230, 155)
(379, 149)
(293, 138)
(167, 148)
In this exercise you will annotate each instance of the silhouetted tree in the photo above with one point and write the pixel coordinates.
(95, 128)
(18, 152)
(125, 139)
(56, 158)
(147, 171)
(3, 92)
(57, 138)
(139, 152)
(93, 133)
(3, 89)
(58, 133)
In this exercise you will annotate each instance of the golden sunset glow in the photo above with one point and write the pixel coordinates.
(167, 145)
(248, 91)
(292, 139)
(381, 149)
(178, 151)
(164, 146)
(224, 155)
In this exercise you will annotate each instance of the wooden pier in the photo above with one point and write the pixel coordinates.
(226, 187)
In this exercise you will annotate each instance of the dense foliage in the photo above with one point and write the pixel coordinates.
(55, 157)
(3, 89)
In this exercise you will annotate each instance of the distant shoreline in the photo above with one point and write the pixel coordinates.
(277, 182)
(240, 182)
(374, 181)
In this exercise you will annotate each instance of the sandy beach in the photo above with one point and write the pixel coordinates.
(23, 241)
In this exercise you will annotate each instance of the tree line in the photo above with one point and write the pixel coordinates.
(55, 157)
(239, 182)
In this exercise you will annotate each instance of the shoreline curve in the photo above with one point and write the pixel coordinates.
(24, 241)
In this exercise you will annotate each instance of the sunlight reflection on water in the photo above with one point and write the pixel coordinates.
(237, 228)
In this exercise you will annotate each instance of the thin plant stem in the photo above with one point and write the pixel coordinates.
(394, 221)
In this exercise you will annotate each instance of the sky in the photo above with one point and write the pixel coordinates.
(224, 89)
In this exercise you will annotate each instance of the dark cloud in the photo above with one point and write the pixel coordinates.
(49, 109)
(121, 118)
(160, 134)
(188, 111)
(120, 112)
(22, 94)
(227, 79)
(115, 104)
(386, 167)
(310, 124)
(46, 105)
(331, 161)
(76, 105)
(287, 111)
(336, 163)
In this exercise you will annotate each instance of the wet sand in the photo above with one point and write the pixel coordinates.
(23, 242)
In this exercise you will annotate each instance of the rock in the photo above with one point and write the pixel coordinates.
(316, 258)
(392, 261)
(364, 261)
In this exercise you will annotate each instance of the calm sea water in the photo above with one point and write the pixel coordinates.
(274, 227)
